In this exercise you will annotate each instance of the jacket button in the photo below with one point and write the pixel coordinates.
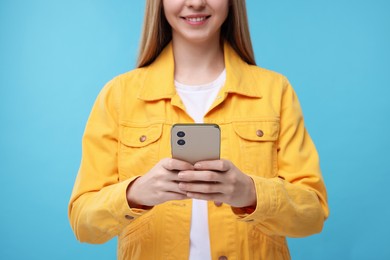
(129, 217)
(259, 133)
(142, 138)
(217, 203)
(223, 258)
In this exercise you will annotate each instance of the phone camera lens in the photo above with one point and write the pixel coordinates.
(181, 134)
(181, 142)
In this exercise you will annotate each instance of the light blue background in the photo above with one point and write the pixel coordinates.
(55, 56)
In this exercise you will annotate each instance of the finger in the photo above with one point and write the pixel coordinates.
(176, 165)
(201, 187)
(174, 187)
(214, 165)
(202, 176)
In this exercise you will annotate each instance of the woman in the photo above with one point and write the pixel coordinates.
(196, 64)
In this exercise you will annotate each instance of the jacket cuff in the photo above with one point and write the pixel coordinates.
(126, 213)
(266, 201)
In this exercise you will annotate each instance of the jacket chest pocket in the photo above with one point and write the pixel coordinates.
(257, 141)
(139, 149)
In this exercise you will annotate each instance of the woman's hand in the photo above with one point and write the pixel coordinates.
(159, 185)
(218, 180)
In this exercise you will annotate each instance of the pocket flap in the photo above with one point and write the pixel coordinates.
(257, 130)
(136, 136)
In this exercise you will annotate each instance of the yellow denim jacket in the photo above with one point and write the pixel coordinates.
(262, 133)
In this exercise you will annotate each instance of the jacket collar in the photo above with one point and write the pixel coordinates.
(159, 79)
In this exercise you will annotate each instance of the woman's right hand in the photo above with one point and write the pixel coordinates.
(158, 185)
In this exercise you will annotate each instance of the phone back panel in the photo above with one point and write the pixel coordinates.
(195, 142)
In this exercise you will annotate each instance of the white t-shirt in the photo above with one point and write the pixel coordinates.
(197, 101)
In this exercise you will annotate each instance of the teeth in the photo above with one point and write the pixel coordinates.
(196, 19)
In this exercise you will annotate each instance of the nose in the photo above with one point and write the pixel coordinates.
(196, 4)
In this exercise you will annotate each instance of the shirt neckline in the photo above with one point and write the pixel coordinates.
(202, 87)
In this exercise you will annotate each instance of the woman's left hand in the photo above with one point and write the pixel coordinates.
(218, 180)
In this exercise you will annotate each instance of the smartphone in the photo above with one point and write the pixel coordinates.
(195, 142)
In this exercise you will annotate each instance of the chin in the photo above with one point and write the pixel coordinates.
(201, 39)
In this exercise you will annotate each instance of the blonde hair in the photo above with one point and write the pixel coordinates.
(157, 32)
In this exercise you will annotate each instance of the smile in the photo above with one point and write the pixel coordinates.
(196, 19)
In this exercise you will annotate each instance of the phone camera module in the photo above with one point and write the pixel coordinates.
(181, 142)
(181, 134)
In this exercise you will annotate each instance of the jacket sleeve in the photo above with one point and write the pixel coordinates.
(98, 208)
(294, 203)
